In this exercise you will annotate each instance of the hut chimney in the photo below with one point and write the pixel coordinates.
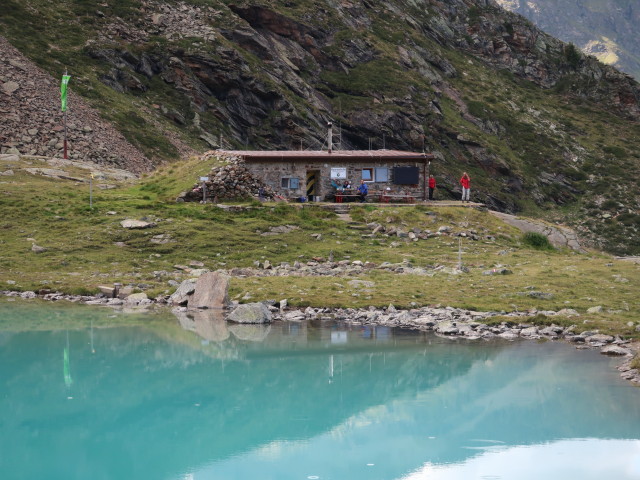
(330, 136)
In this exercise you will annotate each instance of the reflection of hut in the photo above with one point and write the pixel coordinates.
(209, 324)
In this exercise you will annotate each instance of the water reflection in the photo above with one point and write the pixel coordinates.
(167, 398)
(208, 324)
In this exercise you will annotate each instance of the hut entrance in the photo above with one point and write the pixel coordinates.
(313, 185)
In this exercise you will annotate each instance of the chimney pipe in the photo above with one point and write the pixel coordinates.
(330, 137)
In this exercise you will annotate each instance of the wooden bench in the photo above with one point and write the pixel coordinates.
(387, 197)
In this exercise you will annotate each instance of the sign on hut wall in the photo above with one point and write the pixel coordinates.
(338, 173)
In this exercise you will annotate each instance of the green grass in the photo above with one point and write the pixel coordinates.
(85, 249)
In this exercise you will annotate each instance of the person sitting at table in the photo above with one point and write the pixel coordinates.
(363, 191)
(346, 185)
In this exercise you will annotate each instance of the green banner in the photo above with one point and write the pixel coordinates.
(63, 91)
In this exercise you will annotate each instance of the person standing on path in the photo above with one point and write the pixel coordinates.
(465, 181)
(432, 186)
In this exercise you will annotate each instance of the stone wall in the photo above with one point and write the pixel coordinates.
(231, 180)
(272, 173)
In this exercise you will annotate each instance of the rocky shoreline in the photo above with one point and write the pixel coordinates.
(454, 323)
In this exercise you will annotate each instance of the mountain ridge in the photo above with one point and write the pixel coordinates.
(602, 28)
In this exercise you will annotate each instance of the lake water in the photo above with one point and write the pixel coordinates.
(88, 393)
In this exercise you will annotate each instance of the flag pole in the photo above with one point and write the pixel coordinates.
(65, 125)
(63, 106)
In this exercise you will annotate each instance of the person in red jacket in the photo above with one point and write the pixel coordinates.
(465, 181)
(432, 186)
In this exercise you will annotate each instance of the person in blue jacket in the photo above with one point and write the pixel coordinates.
(363, 190)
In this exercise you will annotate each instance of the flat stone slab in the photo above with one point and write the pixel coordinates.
(615, 350)
(136, 224)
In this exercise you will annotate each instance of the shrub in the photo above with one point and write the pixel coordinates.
(537, 241)
(573, 55)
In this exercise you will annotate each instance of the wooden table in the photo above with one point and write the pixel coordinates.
(340, 196)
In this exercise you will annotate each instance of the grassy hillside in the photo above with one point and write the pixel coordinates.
(87, 247)
(542, 129)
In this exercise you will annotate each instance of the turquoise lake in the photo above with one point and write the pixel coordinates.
(90, 393)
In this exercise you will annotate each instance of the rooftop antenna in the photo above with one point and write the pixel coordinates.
(330, 136)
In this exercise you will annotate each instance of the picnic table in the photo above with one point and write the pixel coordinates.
(387, 197)
(348, 195)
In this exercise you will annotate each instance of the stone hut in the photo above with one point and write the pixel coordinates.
(317, 174)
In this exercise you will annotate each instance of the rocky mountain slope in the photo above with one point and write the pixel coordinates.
(33, 124)
(606, 29)
(539, 126)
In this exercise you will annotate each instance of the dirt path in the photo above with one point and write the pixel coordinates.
(559, 236)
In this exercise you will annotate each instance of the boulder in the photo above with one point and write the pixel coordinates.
(137, 299)
(447, 328)
(497, 271)
(182, 293)
(250, 313)
(508, 335)
(211, 291)
(615, 350)
(529, 332)
(110, 292)
(136, 224)
(600, 338)
(10, 87)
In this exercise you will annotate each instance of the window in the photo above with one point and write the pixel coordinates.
(291, 183)
(367, 174)
(382, 174)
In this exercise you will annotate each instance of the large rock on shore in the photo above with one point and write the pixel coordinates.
(182, 294)
(211, 291)
(250, 313)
